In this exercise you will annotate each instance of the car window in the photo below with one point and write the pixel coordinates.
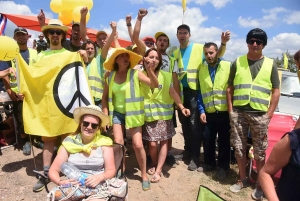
(290, 84)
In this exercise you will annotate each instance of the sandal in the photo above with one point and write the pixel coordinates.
(156, 177)
(151, 170)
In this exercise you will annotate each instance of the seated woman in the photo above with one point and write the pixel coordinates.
(86, 149)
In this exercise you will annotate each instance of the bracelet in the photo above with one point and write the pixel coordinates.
(223, 44)
(182, 108)
(129, 24)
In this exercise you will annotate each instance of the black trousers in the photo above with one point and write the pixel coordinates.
(217, 123)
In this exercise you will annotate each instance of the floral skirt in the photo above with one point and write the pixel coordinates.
(158, 130)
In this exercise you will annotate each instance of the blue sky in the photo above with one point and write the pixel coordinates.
(207, 19)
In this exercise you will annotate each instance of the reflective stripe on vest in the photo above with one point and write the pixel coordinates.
(13, 82)
(194, 64)
(95, 80)
(159, 104)
(214, 94)
(134, 99)
(257, 93)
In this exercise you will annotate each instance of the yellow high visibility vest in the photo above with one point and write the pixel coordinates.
(257, 93)
(159, 104)
(13, 82)
(214, 94)
(95, 80)
(194, 64)
(134, 99)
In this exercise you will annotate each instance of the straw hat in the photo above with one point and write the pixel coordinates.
(55, 24)
(159, 34)
(134, 58)
(91, 110)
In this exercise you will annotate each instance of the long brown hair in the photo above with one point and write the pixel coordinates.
(159, 57)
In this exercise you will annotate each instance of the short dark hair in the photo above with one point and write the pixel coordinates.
(297, 56)
(184, 26)
(209, 44)
(159, 57)
(83, 47)
(258, 34)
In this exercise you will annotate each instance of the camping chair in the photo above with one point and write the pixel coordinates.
(119, 153)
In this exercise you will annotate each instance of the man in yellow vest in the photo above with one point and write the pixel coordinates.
(252, 97)
(168, 64)
(190, 59)
(212, 105)
(11, 85)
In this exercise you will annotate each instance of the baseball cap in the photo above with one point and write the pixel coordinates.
(75, 23)
(20, 30)
(184, 26)
(100, 32)
(149, 38)
(160, 34)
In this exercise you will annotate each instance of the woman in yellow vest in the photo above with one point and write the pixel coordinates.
(124, 102)
(158, 113)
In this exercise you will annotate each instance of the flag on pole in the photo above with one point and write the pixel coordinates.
(3, 22)
(183, 3)
(53, 87)
(285, 61)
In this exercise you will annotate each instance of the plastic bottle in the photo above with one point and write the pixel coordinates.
(73, 172)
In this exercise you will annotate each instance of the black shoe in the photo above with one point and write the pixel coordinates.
(184, 155)
(206, 168)
(39, 185)
(194, 163)
(171, 161)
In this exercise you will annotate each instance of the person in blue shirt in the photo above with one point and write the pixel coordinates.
(212, 106)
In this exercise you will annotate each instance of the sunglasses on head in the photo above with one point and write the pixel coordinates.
(258, 42)
(86, 124)
(149, 43)
(52, 32)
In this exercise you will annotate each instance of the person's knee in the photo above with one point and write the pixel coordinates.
(138, 146)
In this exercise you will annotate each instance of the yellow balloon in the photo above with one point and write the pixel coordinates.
(65, 16)
(70, 4)
(10, 50)
(76, 14)
(87, 3)
(56, 5)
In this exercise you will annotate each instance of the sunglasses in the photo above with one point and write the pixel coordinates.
(149, 43)
(52, 32)
(86, 124)
(258, 42)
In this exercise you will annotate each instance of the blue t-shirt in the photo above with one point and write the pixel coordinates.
(185, 56)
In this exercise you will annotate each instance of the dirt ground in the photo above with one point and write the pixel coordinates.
(180, 184)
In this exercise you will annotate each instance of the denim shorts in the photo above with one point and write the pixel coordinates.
(118, 118)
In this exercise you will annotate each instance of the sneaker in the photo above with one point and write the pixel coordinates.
(193, 164)
(171, 161)
(238, 186)
(257, 193)
(39, 145)
(27, 149)
(39, 185)
(206, 168)
(221, 174)
(182, 156)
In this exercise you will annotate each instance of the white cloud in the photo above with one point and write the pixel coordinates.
(270, 18)
(216, 3)
(292, 18)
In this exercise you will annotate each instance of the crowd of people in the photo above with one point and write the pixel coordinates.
(136, 87)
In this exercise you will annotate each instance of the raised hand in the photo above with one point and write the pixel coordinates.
(84, 11)
(41, 18)
(128, 19)
(142, 13)
(225, 37)
(113, 25)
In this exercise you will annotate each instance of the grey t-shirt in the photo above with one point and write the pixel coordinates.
(255, 67)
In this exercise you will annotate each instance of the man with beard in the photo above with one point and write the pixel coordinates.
(212, 105)
(74, 44)
(168, 65)
(55, 34)
(10, 82)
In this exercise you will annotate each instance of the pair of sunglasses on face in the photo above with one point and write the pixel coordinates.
(149, 43)
(52, 32)
(252, 41)
(87, 124)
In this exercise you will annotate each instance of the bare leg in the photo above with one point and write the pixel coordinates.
(169, 144)
(153, 151)
(162, 155)
(118, 138)
(48, 152)
(242, 167)
(137, 143)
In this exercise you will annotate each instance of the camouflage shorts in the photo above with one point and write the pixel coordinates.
(240, 123)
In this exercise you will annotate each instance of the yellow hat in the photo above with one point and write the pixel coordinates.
(100, 32)
(55, 24)
(159, 34)
(134, 58)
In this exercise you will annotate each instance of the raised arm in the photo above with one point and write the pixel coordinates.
(116, 40)
(110, 39)
(83, 13)
(225, 37)
(41, 18)
(137, 29)
(129, 28)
